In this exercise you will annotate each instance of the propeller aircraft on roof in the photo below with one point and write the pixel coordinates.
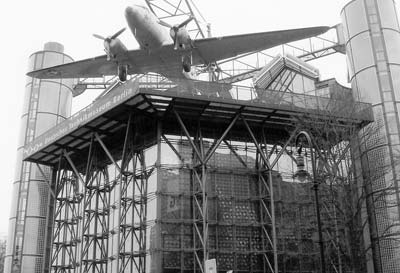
(169, 54)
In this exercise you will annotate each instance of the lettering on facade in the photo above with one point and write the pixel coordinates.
(82, 117)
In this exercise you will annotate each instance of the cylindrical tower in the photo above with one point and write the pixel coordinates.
(46, 103)
(372, 36)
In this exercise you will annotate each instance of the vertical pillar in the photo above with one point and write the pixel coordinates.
(158, 241)
(372, 36)
(46, 103)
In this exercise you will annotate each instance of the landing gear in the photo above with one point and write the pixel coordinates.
(122, 72)
(187, 63)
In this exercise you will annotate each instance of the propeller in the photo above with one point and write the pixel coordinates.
(165, 24)
(174, 29)
(108, 40)
(99, 36)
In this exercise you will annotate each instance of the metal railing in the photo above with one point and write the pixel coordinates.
(344, 107)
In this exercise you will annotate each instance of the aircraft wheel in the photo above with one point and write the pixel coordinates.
(122, 73)
(187, 63)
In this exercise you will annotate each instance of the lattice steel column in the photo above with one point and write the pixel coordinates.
(127, 203)
(200, 202)
(96, 207)
(140, 180)
(133, 202)
(199, 191)
(66, 223)
(126, 228)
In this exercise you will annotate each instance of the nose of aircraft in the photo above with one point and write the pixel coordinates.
(135, 14)
(135, 5)
(130, 11)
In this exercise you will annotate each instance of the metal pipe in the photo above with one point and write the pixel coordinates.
(183, 127)
(264, 158)
(215, 147)
(96, 135)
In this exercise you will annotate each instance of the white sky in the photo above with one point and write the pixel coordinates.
(26, 25)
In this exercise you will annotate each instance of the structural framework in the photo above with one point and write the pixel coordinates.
(161, 176)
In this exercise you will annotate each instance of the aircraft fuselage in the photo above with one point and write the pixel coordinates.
(145, 28)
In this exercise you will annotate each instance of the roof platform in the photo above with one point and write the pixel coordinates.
(172, 103)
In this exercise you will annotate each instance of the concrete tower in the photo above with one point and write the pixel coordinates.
(372, 37)
(46, 103)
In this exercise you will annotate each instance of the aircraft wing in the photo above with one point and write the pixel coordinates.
(139, 61)
(218, 48)
(93, 67)
(168, 62)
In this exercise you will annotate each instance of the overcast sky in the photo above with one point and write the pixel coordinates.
(26, 25)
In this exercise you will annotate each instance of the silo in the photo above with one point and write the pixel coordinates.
(372, 37)
(46, 103)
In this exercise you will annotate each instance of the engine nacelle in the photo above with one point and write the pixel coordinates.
(181, 38)
(112, 45)
(114, 48)
(186, 63)
(122, 72)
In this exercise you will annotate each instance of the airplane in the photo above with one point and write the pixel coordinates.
(169, 54)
